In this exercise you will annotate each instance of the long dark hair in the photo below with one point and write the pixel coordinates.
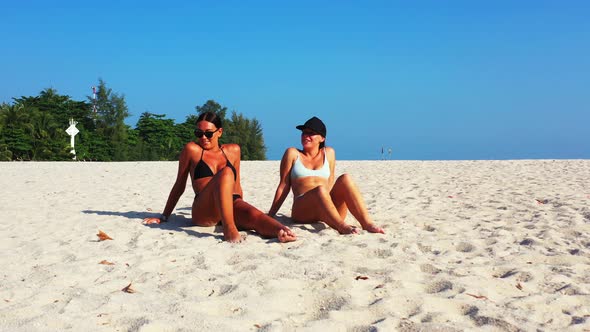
(210, 117)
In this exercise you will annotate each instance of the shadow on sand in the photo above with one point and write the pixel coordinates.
(312, 228)
(181, 222)
(178, 222)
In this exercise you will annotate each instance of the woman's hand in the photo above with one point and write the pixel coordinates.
(149, 221)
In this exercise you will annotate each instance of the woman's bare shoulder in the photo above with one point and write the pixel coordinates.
(190, 152)
(192, 147)
(231, 148)
(330, 152)
(291, 151)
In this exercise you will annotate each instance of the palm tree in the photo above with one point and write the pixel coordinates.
(15, 123)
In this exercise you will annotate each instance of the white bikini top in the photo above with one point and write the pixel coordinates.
(299, 170)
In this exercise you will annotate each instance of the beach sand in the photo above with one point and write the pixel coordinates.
(470, 245)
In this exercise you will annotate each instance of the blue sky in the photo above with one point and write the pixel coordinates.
(428, 79)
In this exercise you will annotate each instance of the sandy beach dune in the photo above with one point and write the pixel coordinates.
(470, 245)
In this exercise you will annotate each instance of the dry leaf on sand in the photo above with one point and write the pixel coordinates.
(479, 297)
(102, 236)
(128, 289)
(105, 262)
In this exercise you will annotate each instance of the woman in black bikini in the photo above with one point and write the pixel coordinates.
(215, 176)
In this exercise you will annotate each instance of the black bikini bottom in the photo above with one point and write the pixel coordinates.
(235, 196)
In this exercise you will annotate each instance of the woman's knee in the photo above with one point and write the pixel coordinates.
(226, 171)
(226, 174)
(322, 191)
(345, 179)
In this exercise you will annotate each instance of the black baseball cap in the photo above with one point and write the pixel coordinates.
(314, 124)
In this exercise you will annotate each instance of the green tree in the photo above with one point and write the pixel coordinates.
(213, 107)
(238, 129)
(61, 107)
(248, 134)
(158, 137)
(185, 130)
(110, 121)
(255, 145)
(33, 128)
(5, 154)
(15, 124)
(48, 116)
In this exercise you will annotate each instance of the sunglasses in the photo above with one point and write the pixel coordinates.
(208, 134)
(308, 133)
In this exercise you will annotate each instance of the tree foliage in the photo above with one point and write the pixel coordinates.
(238, 129)
(33, 128)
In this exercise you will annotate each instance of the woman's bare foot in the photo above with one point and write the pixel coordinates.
(374, 229)
(286, 235)
(231, 234)
(149, 221)
(347, 229)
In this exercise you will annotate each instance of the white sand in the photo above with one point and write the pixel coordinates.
(456, 230)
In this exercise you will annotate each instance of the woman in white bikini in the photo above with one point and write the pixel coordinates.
(317, 197)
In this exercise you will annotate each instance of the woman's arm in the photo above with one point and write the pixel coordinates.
(177, 190)
(331, 154)
(284, 181)
(178, 187)
(236, 153)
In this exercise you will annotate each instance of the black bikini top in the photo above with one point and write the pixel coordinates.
(202, 170)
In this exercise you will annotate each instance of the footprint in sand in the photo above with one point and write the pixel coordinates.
(496, 322)
(566, 289)
(491, 241)
(574, 251)
(429, 228)
(429, 268)
(424, 249)
(504, 272)
(382, 253)
(235, 259)
(465, 247)
(527, 242)
(438, 286)
(226, 289)
(247, 268)
(324, 306)
(524, 277)
(578, 320)
(468, 310)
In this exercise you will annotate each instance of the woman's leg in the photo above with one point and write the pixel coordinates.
(215, 203)
(316, 205)
(250, 218)
(346, 196)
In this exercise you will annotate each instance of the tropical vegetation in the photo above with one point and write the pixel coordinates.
(33, 128)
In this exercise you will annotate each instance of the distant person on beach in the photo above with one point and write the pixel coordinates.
(215, 175)
(317, 197)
